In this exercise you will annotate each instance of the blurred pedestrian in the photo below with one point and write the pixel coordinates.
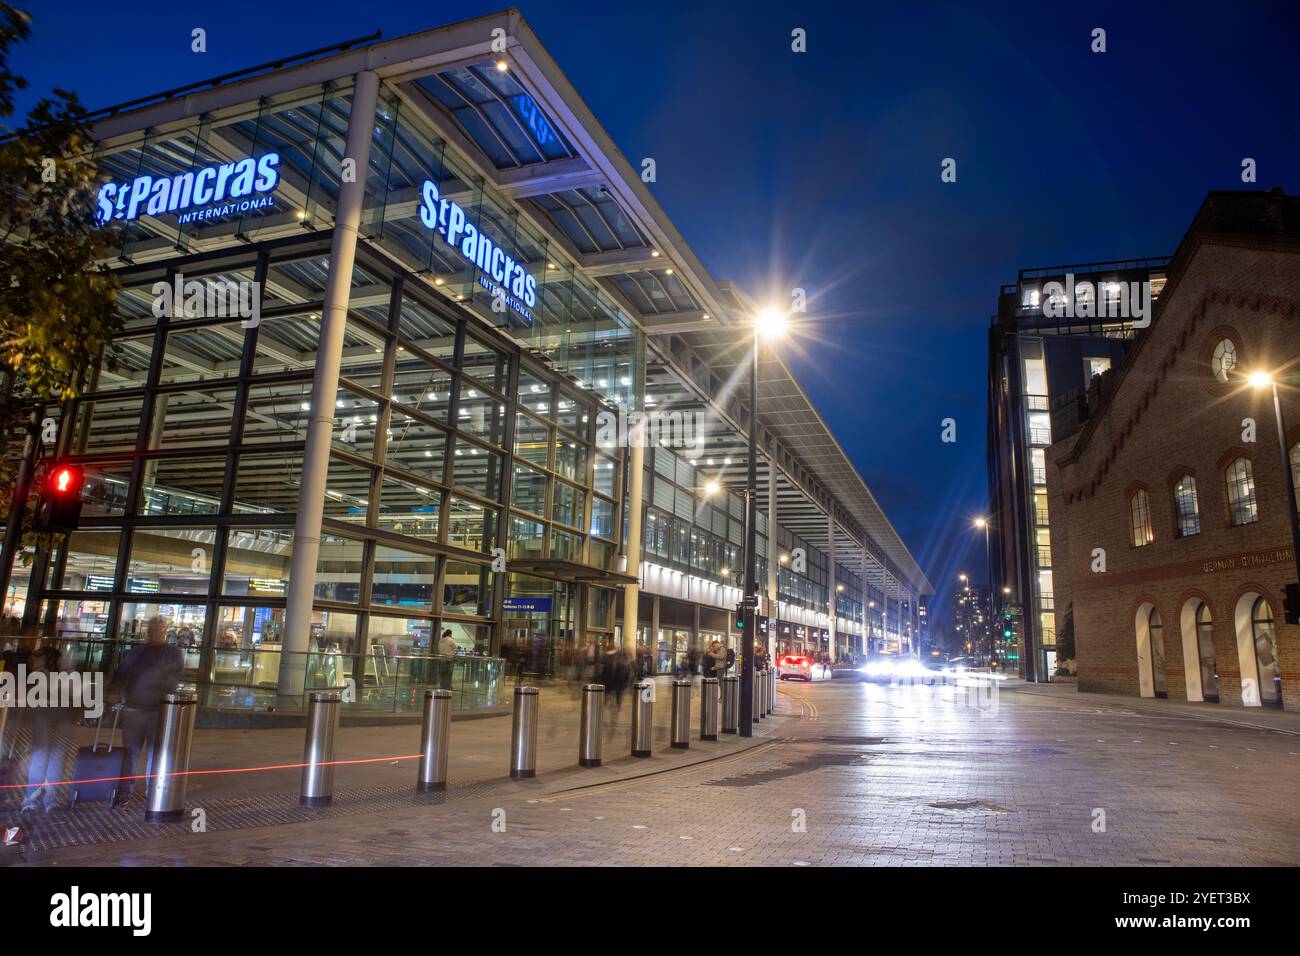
(145, 676)
(51, 736)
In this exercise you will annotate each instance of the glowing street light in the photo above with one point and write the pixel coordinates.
(768, 324)
(1261, 379)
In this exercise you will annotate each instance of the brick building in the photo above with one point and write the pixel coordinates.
(1175, 473)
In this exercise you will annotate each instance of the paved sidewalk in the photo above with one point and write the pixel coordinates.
(248, 778)
(1257, 718)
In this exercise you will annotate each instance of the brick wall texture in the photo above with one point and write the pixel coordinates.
(1167, 417)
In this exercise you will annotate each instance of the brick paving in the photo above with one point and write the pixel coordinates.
(849, 775)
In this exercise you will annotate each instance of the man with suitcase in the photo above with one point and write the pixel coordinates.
(145, 676)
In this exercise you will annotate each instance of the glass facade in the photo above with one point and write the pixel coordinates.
(477, 350)
(192, 433)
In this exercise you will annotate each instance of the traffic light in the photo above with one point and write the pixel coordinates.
(58, 507)
(740, 617)
(1006, 632)
(1291, 603)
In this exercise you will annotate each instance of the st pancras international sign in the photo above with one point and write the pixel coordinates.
(208, 193)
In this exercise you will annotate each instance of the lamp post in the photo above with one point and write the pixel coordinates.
(1262, 380)
(768, 324)
(988, 564)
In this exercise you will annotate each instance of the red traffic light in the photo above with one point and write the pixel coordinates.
(65, 480)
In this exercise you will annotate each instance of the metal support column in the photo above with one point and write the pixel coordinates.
(831, 583)
(320, 424)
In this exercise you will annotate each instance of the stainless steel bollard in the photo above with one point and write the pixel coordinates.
(709, 708)
(523, 733)
(681, 723)
(730, 704)
(766, 701)
(758, 695)
(318, 751)
(433, 741)
(593, 708)
(165, 792)
(643, 718)
(771, 691)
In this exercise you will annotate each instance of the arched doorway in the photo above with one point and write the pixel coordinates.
(1149, 631)
(1199, 665)
(1209, 666)
(1261, 677)
(1157, 632)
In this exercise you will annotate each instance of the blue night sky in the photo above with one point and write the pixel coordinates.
(821, 170)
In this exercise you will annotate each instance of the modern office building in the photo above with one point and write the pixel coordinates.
(466, 301)
(1057, 330)
(970, 611)
(1172, 503)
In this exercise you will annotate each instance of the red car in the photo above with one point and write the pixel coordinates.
(794, 667)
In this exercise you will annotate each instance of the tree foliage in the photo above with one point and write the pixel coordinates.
(57, 306)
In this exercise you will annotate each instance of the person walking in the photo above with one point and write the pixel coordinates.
(145, 676)
(51, 737)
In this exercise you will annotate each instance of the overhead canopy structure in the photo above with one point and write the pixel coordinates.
(506, 109)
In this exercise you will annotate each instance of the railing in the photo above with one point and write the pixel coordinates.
(1036, 403)
(1046, 601)
(1038, 476)
(246, 679)
(1040, 437)
(1040, 517)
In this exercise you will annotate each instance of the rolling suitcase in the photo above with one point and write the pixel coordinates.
(99, 770)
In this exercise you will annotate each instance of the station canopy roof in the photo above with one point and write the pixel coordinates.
(529, 134)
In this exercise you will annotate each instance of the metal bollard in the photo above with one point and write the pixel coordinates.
(433, 741)
(709, 708)
(771, 692)
(681, 723)
(165, 793)
(730, 704)
(758, 695)
(318, 751)
(769, 677)
(523, 733)
(593, 707)
(643, 718)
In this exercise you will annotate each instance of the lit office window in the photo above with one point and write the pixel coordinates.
(1140, 513)
(1186, 508)
(1242, 508)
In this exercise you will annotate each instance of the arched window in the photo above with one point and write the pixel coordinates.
(1241, 493)
(1295, 473)
(1265, 637)
(1186, 509)
(1224, 360)
(1205, 651)
(1139, 509)
(1157, 653)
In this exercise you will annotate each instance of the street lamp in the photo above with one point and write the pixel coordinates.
(768, 324)
(988, 564)
(1265, 380)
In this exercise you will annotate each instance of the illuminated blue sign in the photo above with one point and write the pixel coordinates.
(537, 123)
(533, 605)
(208, 193)
(501, 274)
